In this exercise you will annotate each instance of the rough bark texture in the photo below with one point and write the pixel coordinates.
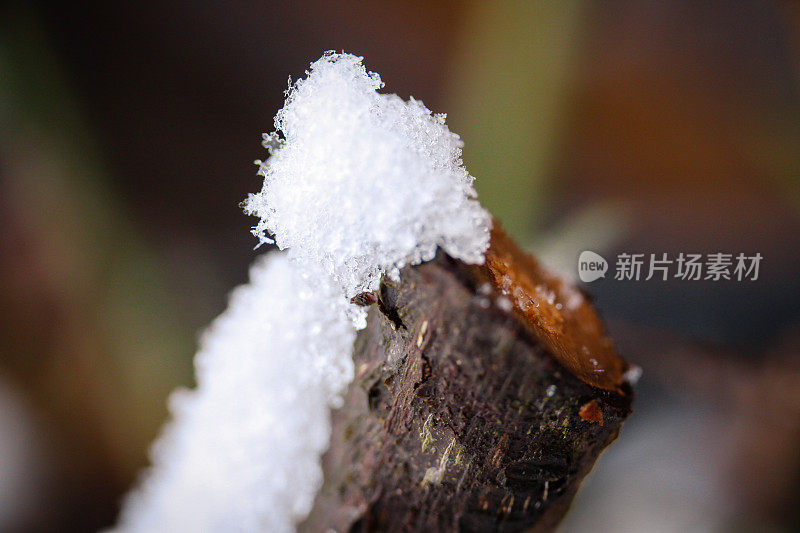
(460, 417)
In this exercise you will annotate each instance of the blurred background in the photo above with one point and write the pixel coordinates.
(127, 135)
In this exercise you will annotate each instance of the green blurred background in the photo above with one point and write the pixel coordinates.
(127, 135)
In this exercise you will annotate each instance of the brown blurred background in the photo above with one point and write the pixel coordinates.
(127, 135)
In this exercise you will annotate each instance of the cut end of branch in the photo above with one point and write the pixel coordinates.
(558, 314)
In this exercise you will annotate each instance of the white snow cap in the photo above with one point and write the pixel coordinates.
(363, 183)
(360, 185)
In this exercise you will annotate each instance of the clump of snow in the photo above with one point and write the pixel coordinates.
(242, 452)
(358, 185)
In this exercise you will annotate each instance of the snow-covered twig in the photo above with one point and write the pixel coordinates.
(358, 185)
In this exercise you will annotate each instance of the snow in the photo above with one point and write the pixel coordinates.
(242, 452)
(358, 185)
(633, 375)
(363, 183)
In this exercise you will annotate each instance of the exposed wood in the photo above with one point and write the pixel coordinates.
(482, 397)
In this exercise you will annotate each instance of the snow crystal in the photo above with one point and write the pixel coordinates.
(358, 185)
(633, 375)
(505, 304)
(362, 183)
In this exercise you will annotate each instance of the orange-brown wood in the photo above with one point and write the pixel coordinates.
(557, 312)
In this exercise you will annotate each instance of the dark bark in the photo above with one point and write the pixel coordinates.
(461, 418)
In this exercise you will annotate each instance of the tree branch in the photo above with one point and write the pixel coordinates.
(483, 395)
